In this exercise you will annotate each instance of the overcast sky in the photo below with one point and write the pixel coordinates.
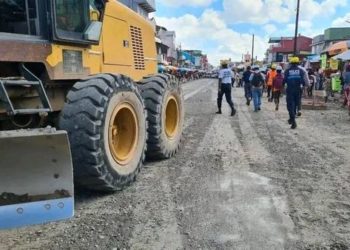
(223, 28)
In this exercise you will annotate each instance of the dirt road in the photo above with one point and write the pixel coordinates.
(247, 182)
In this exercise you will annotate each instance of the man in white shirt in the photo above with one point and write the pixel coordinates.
(225, 88)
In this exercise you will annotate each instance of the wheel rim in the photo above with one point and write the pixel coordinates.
(171, 117)
(123, 133)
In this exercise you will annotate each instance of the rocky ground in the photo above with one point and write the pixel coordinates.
(247, 182)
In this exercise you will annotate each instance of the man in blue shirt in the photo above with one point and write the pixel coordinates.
(257, 81)
(225, 88)
(294, 79)
(247, 85)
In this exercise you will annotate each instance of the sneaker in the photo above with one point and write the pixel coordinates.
(290, 121)
(294, 125)
(233, 112)
(259, 109)
(276, 108)
(248, 102)
(219, 112)
(299, 113)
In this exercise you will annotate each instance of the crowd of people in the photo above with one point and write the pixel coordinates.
(183, 74)
(294, 82)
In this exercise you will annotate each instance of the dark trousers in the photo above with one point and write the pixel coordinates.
(310, 90)
(293, 99)
(298, 107)
(226, 90)
(346, 96)
(276, 96)
(248, 91)
(269, 90)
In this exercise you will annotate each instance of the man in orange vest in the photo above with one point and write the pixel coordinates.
(269, 81)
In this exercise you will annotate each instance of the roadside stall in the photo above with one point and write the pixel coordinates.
(313, 62)
(319, 96)
(344, 58)
(336, 65)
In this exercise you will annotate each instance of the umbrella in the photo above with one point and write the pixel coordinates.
(345, 56)
(338, 48)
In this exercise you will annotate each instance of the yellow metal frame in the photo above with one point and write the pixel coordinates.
(114, 53)
(172, 114)
(123, 133)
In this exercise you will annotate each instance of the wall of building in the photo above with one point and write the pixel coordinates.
(168, 38)
(287, 45)
(337, 34)
(137, 7)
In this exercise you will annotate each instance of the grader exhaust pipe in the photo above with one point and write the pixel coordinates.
(36, 180)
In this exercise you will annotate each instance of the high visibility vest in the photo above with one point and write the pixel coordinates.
(271, 75)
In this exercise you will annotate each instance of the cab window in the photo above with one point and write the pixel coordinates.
(71, 15)
(72, 18)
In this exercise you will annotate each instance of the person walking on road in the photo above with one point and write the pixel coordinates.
(302, 87)
(225, 88)
(312, 81)
(346, 77)
(271, 74)
(277, 87)
(294, 78)
(247, 85)
(257, 81)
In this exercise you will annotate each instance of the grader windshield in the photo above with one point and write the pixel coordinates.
(71, 18)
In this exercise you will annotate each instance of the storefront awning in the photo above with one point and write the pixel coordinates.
(345, 56)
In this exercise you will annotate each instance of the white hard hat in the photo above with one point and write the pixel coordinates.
(279, 68)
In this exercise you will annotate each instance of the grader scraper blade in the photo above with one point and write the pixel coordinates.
(36, 177)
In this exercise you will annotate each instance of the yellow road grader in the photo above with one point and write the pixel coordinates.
(79, 93)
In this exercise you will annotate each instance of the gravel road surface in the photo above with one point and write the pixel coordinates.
(247, 182)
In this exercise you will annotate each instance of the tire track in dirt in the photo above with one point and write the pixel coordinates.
(259, 158)
(157, 210)
(228, 207)
(306, 165)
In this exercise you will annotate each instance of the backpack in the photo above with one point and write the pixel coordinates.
(246, 76)
(257, 80)
(278, 82)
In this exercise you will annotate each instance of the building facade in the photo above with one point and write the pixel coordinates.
(320, 43)
(283, 47)
(168, 38)
(193, 59)
(143, 7)
(162, 52)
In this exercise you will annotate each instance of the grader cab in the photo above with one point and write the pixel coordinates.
(79, 96)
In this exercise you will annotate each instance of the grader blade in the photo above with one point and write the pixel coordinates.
(36, 177)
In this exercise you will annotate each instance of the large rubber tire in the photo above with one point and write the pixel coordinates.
(90, 107)
(156, 91)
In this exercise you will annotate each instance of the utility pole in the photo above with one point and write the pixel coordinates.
(253, 49)
(296, 29)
